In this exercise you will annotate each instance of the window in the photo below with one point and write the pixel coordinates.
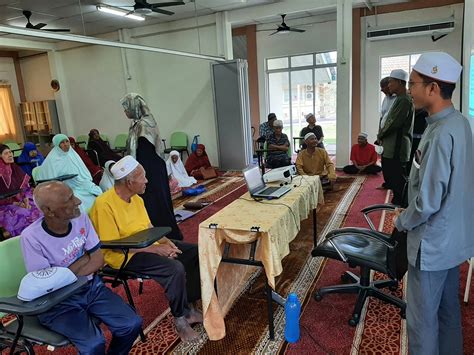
(300, 84)
(8, 119)
(405, 62)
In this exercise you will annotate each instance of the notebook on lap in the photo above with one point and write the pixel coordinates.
(258, 188)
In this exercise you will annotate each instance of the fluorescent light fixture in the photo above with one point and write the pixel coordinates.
(118, 12)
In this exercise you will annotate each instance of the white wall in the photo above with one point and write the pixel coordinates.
(319, 37)
(7, 73)
(372, 52)
(36, 77)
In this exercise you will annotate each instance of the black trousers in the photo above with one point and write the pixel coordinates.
(371, 169)
(395, 178)
(179, 277)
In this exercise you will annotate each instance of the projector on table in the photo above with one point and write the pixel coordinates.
(283, 174)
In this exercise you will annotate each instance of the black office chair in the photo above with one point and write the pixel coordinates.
(121, 276)
(370, 250)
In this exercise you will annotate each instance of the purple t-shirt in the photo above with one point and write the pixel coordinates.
(42, 249)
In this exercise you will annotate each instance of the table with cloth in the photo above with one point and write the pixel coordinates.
(236, 224)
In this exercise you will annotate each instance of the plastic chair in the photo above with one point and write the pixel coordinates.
(120, 141)
(35, 173)
(82, 141)
(178, 142)
(25, 331)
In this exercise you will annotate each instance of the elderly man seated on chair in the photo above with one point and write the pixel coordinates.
(363, 157)
(64, 237)
(316, 161)
(119, 213)
(278, 144)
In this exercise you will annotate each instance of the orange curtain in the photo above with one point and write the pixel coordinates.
(8, 115)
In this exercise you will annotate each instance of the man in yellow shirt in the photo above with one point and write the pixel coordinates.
(119, 213)
(315, 161)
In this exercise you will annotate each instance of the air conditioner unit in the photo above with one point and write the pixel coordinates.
(433, 28)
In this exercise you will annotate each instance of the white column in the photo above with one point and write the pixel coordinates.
(224, 35)
(344, 81)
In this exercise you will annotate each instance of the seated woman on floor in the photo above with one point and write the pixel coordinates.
(198, 164)
(278, 145)
(103, 150)
(96, 171)
(63, 160)
(30, 158)
(175, 167)
(18, 211)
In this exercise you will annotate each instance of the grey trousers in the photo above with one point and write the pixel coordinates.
(433, 312)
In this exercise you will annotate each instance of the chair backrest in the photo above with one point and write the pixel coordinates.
(82, 138)
(12, 267)
(15, 148)
(35, 172)
(179, 139)
(121, 140)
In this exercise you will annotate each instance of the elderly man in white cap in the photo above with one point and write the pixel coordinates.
(439, 217)
(396, 135)
(314, 128)
(278, 145)
(119, 213)
(65, 237)
(363, 157)
(315, 161)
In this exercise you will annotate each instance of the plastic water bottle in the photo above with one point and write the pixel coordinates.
(292, 318)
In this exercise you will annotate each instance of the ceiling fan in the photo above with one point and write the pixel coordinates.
(39, 26)
(142, 7)
(284, 28)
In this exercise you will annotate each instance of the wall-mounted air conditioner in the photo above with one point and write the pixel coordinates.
(434, 28)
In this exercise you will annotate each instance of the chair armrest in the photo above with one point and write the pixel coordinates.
(59, 178)
(41, 304)
(9, 194)
(381, 237)
(374, 208)
(119, 150)
(138, 240)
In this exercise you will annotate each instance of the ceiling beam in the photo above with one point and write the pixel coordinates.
(101, 42)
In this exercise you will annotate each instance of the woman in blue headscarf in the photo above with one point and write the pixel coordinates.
(63, 160)
(30, 158)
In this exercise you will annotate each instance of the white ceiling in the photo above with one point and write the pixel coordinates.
(72, 13)
(82, 17)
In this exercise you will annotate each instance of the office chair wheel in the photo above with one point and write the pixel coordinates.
(353, 321)
(317, 296)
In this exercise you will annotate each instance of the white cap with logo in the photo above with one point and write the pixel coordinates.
(124, 167)
(439, 66)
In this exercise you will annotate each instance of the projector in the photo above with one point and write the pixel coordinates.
(280, 174)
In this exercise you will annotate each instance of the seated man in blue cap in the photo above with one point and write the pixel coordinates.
(119, 213)
(65, 237)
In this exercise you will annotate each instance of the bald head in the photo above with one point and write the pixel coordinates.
(56, 200)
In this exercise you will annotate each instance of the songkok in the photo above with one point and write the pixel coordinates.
(38, 283)
(309, 135)
(309, 115)
(439, 66)
(399, 74)
(363, 134)
(123, 167)
(278, 123)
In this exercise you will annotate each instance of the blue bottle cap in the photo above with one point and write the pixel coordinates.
(292, 297)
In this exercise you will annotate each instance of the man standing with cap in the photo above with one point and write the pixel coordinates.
(396, 135)
(119, 213)
(363, 157)
(440, 211)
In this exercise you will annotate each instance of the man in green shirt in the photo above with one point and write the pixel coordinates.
(396, 135)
